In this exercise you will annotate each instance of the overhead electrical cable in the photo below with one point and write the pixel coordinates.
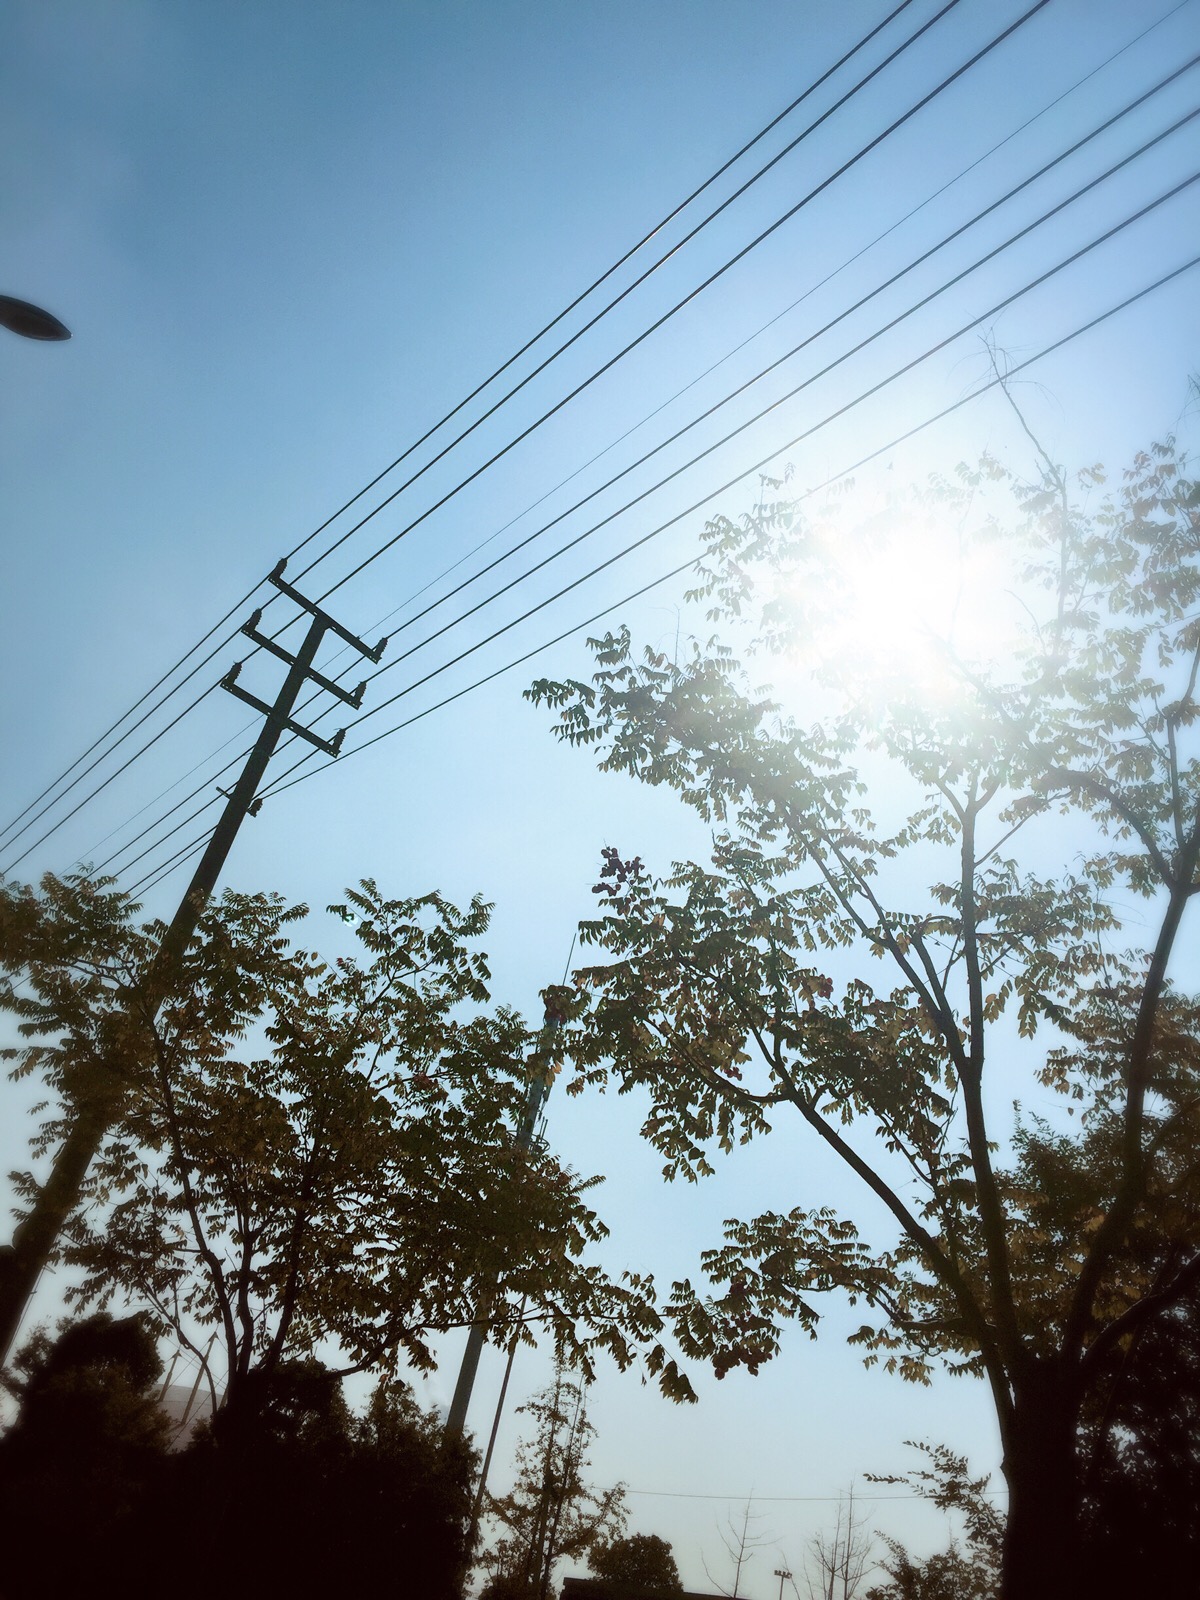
(286, 780)
(806, 383)
(779, 315)
(233, 610)
(662, 527)
(795, 350)
(678, 306)
(945, 83)
(799, 438)
(279, 784)
(608, 272)
(129, 732)
(479, 388)
(919, 260)
(166, 816)
(175, 721)
(246, 727)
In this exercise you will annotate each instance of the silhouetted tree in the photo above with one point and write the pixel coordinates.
(1141, 1448)
(291, 1493)
(839, 1557)
(316, 1500)
(970, 1571)
(742, 1543)
(638, 1561)
(82, 1459)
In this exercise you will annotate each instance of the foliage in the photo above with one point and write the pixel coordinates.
(1141, 1438)
(637, 1561)
(309, 1150)
(1049, 802)
(292, 1495)
(945, 1575)
(338, 1502)
(953, 1574)
(551, 1513)
(83, 1455)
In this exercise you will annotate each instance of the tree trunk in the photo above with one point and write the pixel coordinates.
(1040, 1558)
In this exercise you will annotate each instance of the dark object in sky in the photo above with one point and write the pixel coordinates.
(31, 322)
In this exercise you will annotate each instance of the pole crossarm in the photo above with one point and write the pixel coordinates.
(331, 747)
(352, 697)
(276, 577)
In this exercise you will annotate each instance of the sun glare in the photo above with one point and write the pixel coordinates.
(892, 594)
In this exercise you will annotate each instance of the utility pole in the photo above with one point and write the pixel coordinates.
(22, 1262)
(541, 1075)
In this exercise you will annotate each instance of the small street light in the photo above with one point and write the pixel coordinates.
(783, 1575)
(31, 322)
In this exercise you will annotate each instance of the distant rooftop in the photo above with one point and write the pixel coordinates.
(603, 1589)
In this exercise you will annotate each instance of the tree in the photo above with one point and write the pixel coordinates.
(82, 1456)
(1141, 1460)
(318, 1500)
(1041, 796)
(839, 1558)
(742, 1543)
(637, 1561)
(309, 1150)
(314, 1500)
(551, 1512)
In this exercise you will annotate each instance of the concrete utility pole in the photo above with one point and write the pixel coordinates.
(539, 1087)
(22, 1262)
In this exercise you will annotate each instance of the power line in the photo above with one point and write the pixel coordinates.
(791, 306)
(289, 779)
(449, 415)
(158, 822)
(920, 104)
(788, 355)
(615, 267)
(732, 261)
(697, 504)
(694, 460)
(175, 721)
(249, 595)
(636, 544)
(279, 785)
(662, 527)
(1123, 49)
(163, 793)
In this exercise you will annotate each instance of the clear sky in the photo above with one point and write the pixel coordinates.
(289, 238)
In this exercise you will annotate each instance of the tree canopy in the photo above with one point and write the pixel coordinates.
(637, 1561)
(940, 881)
(310, 1150)
(97, 1487)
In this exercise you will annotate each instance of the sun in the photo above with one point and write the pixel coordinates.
(897, 593)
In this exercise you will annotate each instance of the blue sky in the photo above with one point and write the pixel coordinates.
(288, 239)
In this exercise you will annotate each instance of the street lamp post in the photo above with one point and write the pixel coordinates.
(30, 321)
(783, 1575)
